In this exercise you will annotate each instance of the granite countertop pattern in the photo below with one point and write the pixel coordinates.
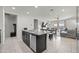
(36, 32)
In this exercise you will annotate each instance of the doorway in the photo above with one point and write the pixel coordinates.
(10, 25)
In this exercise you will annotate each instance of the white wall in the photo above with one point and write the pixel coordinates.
(9, 21)
(1, 17)
(1, 22)
(24, 21)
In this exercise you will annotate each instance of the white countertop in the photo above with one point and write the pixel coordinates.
(36, 32)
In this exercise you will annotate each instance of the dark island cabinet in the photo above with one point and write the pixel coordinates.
(26, 38)
(41, 43)
(36, 42)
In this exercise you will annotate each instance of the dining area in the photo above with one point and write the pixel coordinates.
(51, 31)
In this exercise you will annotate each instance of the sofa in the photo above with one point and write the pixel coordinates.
(68, 33)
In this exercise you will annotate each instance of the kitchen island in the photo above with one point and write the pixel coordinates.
(35, 40)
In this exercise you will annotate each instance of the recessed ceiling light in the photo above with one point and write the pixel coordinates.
(51, 9)
(28, 12)
(62, 10)
(13, 8)
(36, 6)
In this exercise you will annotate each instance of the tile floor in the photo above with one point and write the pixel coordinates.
(61, 45)
(55, 45)
(12, 45)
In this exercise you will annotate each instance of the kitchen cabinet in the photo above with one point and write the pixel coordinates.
(26, 38)
(35, 40)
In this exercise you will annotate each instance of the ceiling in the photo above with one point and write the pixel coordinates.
(45, 11)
